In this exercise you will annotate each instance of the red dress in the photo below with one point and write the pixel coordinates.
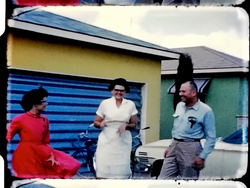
(30, 158)
(47, 2)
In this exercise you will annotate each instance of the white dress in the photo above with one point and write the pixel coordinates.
(113, 150)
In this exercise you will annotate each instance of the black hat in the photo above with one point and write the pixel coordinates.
(119, 81)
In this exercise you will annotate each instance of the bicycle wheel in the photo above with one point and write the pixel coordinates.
(92, 164)
(81, 155)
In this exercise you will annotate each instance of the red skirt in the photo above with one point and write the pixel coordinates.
(30, 161)
(47, 2)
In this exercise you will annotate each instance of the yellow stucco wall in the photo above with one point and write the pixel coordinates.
(87, 60)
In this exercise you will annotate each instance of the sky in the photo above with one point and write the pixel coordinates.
(220, 28)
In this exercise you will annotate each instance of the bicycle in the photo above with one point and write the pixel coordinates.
(85, 151)
(86, 148)
(138, 167)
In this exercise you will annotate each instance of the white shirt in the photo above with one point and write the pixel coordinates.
(109, 111)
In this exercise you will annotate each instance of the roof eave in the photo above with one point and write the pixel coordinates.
(198, 71)
(91, 39)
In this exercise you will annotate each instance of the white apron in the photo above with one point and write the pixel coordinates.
(113, 152)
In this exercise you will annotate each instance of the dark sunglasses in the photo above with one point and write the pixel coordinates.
(121, 90)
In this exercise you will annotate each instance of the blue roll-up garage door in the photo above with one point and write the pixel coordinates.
(72, 100)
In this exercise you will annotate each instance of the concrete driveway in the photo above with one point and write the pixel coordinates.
(129, 183)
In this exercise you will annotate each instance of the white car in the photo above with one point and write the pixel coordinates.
(228, 160)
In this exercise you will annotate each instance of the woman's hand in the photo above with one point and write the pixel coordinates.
(103, 124)
(122, 129)
(52, 159)
(131, 125)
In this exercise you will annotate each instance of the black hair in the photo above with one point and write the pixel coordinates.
(119, 81)
(193, 86)
(33, 97)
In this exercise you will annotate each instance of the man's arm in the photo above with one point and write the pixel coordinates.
(210, 134)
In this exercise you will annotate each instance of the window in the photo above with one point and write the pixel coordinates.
(202, 84)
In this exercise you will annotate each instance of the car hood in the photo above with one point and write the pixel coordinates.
(219, 145)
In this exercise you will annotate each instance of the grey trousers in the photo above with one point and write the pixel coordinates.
(179, 161)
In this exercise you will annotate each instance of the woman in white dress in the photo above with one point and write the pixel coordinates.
(116, 116)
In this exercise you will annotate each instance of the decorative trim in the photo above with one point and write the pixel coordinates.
(197, 71)
(91, 39)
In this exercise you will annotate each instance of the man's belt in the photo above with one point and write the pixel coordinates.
(187, 140)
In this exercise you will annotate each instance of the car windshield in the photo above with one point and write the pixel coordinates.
(238, 137)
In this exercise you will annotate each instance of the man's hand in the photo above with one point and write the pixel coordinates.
(167, 151)
(199, 163)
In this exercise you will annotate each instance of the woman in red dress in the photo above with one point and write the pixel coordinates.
(34, 158)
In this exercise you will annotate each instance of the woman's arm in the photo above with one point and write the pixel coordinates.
(47, 133)
(132, 123)
(128, 126)
(99, 122)
(15, 127)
